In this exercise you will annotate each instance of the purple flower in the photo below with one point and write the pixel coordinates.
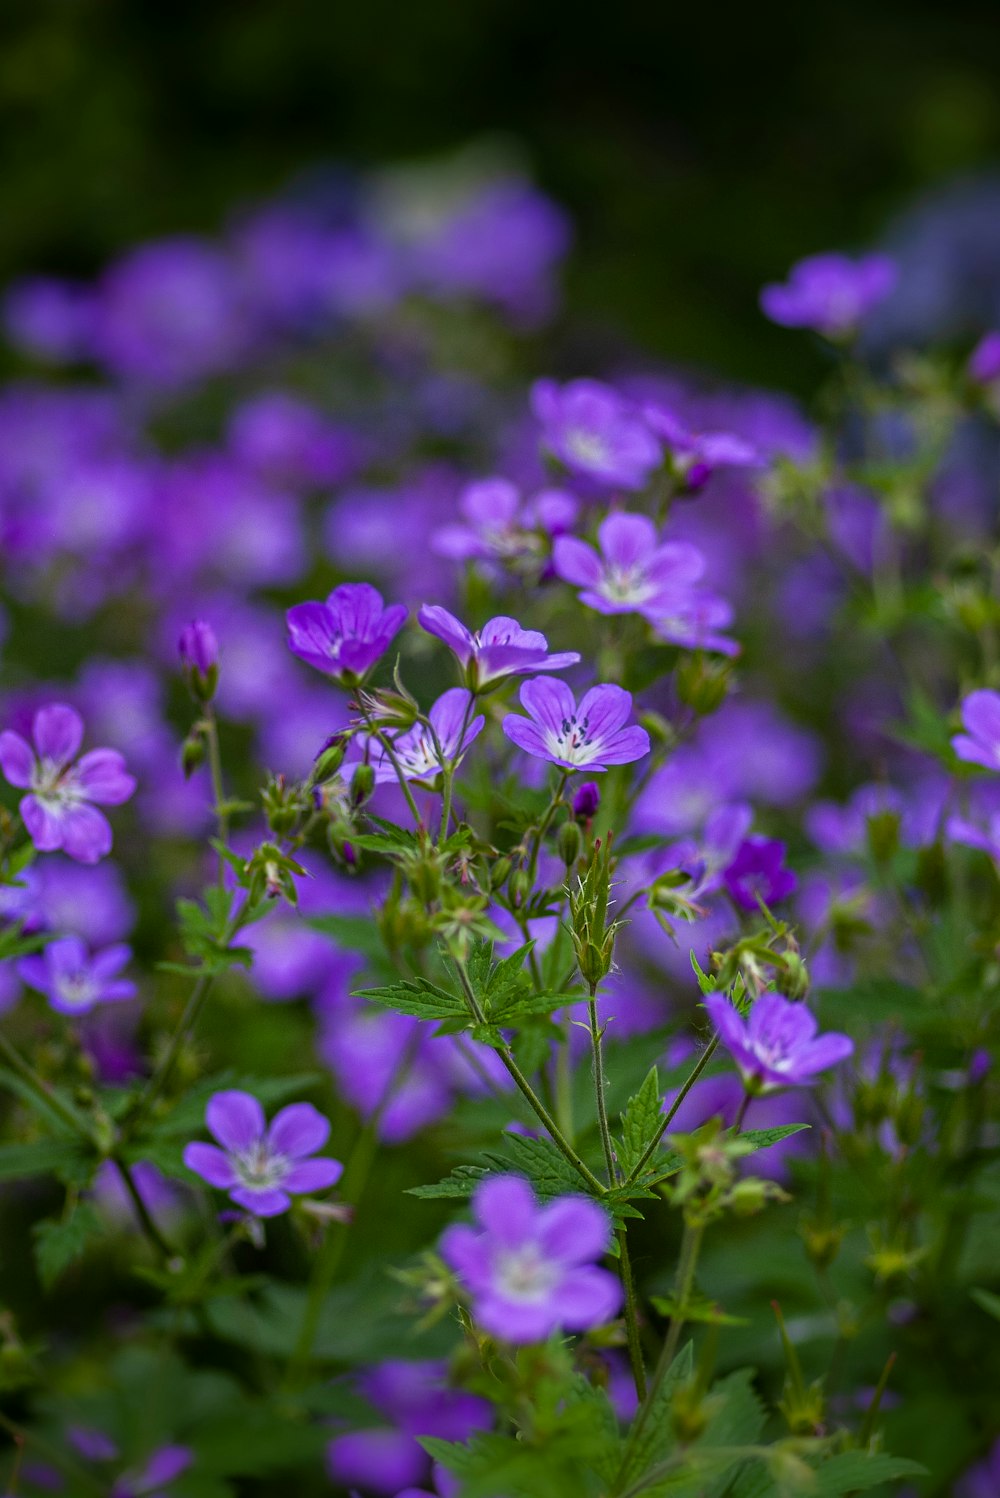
(422, 752)
(198, 647)
(757, 869)
(58, 812)
(499, 526)
(982, 1480)
(694, 619)
(633, 572)
(74, 980)
(155, 1477)
(262, 1167)
(50, 319)
(591, 736)
(345, 636)
(830, 293)
(529, 1269)
(776, 1044)
(500, 649)
(980, 744)
(594, 432)
(694, 456)
(984, 361)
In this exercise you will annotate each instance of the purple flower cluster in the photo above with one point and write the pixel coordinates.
(262, 1167)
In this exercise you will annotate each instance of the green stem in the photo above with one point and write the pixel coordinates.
(41, 1089)
(390, 754)
(599, 1087)
(544, 825)
(671, 1113)
(160, 1077)
(143, 1213)
(631, 1317)
(218, 789)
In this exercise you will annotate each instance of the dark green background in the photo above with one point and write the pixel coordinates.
(700, 148)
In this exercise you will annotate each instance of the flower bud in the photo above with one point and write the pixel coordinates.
(362, 784)
(519, 887)
(702, 682)
(569, 843)
(192, 754)
(499, 873)
(586, 800)
(330, 758)
(199, 652)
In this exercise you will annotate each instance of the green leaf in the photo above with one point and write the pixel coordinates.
(700, 1309)
(988, 1302)
(656, 1438)
(58, 1244)
(41, 1157)
(419, 997)
(856, 1471)
(353, 933)
(640, 1121)
(762, 1139)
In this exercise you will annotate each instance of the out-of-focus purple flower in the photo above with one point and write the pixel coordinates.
(154, 1479)
(980, 744)
(500, 526)
(982, 1480)
(74, 980)
(345, 636)
(633, 572)
(586, 800)
(49, 318)
(695, 456)
(423, 752)
(59, 811)
(92, 1443)
(500, 649)
(594, 432)
(831, 293)
(198, 647)
(263, 1167)
(529, 1269)
(695, 620)
(591, 736)
(758, 869)
(776, 1044)
(984, 361)
(289, 441)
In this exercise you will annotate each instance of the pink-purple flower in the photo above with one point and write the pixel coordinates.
(73, 979)
(498, 650)
(633, 571)
(498, 525)
(776, 1044)
(596, 433)
(757, 869)
(591, 735)
(153, 1480)
(980, 744)
(425, 749)
(347, 634)
(529, 1269)
(263, 1167)
(59, 810)
(694, 456)
(831, 293)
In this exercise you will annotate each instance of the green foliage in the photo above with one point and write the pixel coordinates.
(62, 1242)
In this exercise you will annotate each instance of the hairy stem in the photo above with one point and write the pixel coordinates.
(671, 1112)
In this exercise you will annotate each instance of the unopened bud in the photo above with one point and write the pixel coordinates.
(192, 754)
(362, 784)
(702, 682)
(586, 800)
(519, 887)
(199, 652)
(569, 843)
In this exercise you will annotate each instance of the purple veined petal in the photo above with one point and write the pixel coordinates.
(491, 504)
(67, 954)
(467, 1253)
(493, 661)
(576, 562)
(439, 622)
(981, 717)
(605, 709)
(678, 563)
(103, 777)
(109, 962)
(356, 608)
(514, 1321)
(452, 709)
(726, 1020)
(503, 630)
(17, 759)
(824, 1052)
(86, 833)
(212, 1164)
(313, 1175)
(587, 1297)
(235, 1119)
(627, 540)
(549, 702)
(526, 735)
(312, 635)
(573, 1230)
(297, 1131)
(726, 450)
(505, 1207)
(34, 971)
(118, 991)
(392, 621)
(58, 732)
(625, 746)
(45, 823)
(268, 1202)
(973, 752)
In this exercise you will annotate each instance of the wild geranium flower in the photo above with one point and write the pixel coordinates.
(153, 1480)
(262, 1167)
(75, 980)
(695, 620)
(59, 811)
(984, 361)
(500, 649)
(594, 432)
(632, 572)
(590, 736)
(694, 456)
(776, 1044)
(529, 1269)
(980, 744)
(831, 294)
(422, 751)
(499, 525)
(758, 869)
(345, 636)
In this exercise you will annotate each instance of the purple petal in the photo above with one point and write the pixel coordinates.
(467, 1253)
(268, 1202)
(437, 621)
(981, 716)
(17, 760)
(973, 752)
(526, 735)
(58, 732)
(450, 711)
(627, 540)
(605, 708)
(86, 834)
(576, 562)
(505, 1207)
(514, 1321)
(573, 1230)
(163, 1466)
(108, 963)
(212, 1164)
(235, 1119)
(298, 1130)
(587, 1297)
(104, 778)
(549, 702)
(44, 823)
(357, 608)
(313, 1175)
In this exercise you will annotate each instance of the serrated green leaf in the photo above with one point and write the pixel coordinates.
(640, 1121)
(857, 1471)
(762, 1139)
(59, 1244)
(656, 1439)
(418, 997)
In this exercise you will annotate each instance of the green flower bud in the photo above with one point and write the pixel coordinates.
(570, 843)
(192, 754)
(362, 784)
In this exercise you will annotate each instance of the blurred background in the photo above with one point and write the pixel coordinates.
(698, 151)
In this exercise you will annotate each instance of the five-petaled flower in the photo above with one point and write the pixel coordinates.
(345, 636)
(263, 1167)
(500, 649)
(831, 293)
(59, 811)
(590, 736)
(776, 1044)
(73, 979)
(529, 1269)
(426, 748)
(596, 433)
(980, 744)
(633, 572)
(757, 868)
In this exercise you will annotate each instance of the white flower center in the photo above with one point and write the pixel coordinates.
(587, 447)
(259, 1168)
(572, 741)
(626, 585)
(56, 784)
(524, 1276)
(78, 990)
